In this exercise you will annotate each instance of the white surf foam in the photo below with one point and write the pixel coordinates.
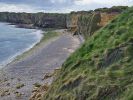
(39, 36)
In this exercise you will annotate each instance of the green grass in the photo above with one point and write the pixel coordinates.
(48, 35)
(102, 69)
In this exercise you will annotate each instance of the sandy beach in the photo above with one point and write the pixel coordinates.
(30, 69)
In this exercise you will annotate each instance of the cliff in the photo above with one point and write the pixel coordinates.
(82, 22)
(87, 22)
(43, 20)
(102, 68)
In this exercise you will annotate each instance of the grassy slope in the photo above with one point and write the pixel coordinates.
(102, 68)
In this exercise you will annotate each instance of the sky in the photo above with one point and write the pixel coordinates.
(58, 6)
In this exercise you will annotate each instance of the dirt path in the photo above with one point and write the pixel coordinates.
(31, 69)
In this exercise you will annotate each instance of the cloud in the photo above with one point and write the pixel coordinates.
(93, 4)
(18, 8)
(113, 2)
(58, 1)
(103, 2)
(61, 6)
(83, 2)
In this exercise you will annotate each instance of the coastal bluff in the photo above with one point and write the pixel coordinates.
(101, 69)
(86, 23)
(81, 22)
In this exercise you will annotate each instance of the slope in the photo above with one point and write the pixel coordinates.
(102, 69)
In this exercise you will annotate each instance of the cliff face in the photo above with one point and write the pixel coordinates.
(106, 17)
(83, 22)
(72, 22)
(87, 23)
(42, 20)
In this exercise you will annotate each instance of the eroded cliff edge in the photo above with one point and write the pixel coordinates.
(88, 22)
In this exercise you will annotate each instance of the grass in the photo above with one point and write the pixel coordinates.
(48, 35)
(102, 69)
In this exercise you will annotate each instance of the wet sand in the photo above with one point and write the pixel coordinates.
(32, 68)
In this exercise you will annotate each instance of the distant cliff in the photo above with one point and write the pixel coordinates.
(87, 22)
(43, 20)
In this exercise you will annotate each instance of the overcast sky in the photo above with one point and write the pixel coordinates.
(61, 6)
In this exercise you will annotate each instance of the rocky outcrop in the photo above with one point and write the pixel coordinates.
(87, 22)
(106, 17)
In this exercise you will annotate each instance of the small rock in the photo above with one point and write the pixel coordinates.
(33, 96)
(35, 89)
(19, 79)
(5, 92)
(37, 85)
(38, 95)
(5, 80)
(12, 78)
(18, 94)
(8, 84)
(19, 85)
(47, 75)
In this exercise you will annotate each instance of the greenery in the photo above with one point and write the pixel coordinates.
(102, 69)
(107, 10)
(49, 34)
(112, 9)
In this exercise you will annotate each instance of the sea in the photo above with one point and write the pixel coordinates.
(15, 41)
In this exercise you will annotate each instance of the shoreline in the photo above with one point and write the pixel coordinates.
(33, 49)
(18, 79)
(39, 34)
(26, 26)
(19, 54)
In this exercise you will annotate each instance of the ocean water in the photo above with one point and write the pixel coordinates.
(15, 41)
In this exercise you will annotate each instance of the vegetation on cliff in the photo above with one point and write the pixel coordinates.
(112, 9)
(102, 69)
